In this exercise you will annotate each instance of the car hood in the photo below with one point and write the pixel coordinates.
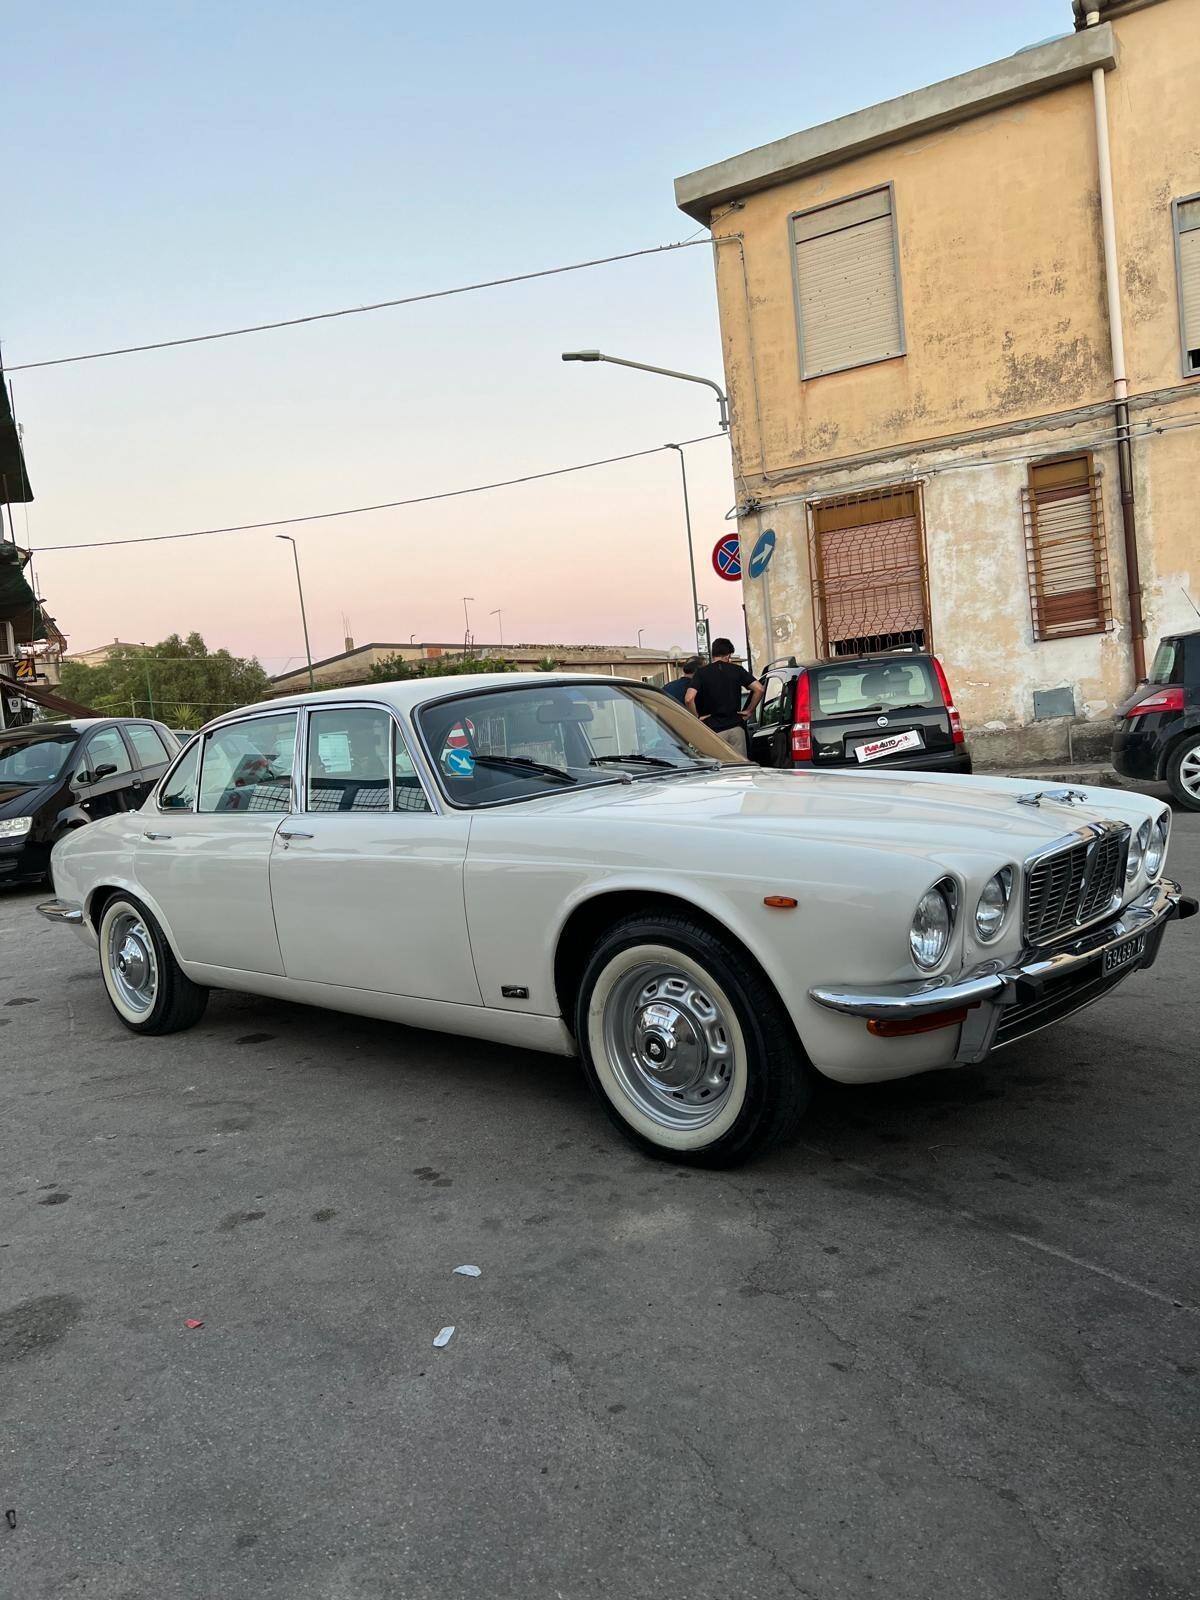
(877, 808)
(20, 799)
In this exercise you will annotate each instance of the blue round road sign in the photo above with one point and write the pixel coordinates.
(727, 557)
(760, 556)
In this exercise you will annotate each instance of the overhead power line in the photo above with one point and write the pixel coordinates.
(358, 311)
(385, 505)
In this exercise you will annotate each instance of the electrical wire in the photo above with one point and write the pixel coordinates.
(386, 505)
(358, 311)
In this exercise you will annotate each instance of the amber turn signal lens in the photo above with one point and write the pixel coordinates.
(780, 902)
(927, 1024)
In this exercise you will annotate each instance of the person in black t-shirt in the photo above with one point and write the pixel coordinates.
(716, 696)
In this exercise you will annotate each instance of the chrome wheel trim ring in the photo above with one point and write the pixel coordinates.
(131, 964)
(671, 1042)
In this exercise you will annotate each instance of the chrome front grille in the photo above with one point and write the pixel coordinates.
(1071, 886)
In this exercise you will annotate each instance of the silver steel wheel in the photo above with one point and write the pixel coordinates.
(1189, 772)
(131, 962)
(670, 1046)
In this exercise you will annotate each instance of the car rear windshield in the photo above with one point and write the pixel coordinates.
(842, 690)
(1163, 670)
(34, 758)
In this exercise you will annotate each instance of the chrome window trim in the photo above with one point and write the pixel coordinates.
(232, 721)
(1089, 832)
(166, 778)
(397, 739)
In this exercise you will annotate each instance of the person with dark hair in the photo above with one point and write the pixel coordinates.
(678, 687)
(716, 696)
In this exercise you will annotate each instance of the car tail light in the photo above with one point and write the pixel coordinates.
(956, 727)
(1168, 699)
(802, 747)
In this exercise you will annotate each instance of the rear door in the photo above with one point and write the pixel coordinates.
(858, 704)
(764, 731)
(151, 757)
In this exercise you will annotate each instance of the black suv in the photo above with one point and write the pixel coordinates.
(888, 710)
(1158, 728)
(60, 775)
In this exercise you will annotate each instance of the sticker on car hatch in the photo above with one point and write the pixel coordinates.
(874, 748)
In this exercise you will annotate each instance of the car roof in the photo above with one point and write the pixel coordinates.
(74, 725)
(875, 658)
(409, 694)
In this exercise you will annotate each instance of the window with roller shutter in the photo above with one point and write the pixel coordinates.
(1187, 262)
(847, 281)
(1065, 546)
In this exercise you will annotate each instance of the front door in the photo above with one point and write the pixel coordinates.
(104, 778)
(367, 880)
(205, 851)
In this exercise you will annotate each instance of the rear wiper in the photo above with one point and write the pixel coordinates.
(645, 761)
(526, 764)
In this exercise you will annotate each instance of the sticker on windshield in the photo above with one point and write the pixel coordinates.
(458, 763)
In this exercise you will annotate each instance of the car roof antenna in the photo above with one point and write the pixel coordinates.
(1189, 600)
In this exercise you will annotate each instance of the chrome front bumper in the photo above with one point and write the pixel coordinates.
(61, 911)
(1006, 1003)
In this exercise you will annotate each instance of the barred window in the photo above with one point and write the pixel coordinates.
(1065, 546)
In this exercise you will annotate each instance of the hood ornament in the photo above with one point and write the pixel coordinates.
(1066, 797)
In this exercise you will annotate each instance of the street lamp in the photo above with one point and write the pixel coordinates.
(641, 631)
(499, 616)
(467, 620)
(663, 372)
(300, 592)
(698, 628)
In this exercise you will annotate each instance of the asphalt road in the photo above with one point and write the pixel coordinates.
(946, 1347)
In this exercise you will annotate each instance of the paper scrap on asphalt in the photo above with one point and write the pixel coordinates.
(467, 1272)
(444, 1338)
(193, 1323)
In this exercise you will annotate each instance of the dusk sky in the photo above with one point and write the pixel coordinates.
(181, 168)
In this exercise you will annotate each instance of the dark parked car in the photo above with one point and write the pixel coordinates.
(1158, 727)
(55, 776)
(887, 710)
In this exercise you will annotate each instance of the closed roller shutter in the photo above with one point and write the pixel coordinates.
(1065, 542)
(1189, 291)
(849, 302)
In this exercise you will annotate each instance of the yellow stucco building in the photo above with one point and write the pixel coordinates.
(945, 321)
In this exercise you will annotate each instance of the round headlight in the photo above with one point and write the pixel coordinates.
(932, 924)
(1156, 850)
(1137, 849)
(993, 905)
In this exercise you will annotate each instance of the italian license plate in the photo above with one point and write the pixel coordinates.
(874, 748)
(1122, 954)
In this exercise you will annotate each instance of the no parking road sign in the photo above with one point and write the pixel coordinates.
(727, 558)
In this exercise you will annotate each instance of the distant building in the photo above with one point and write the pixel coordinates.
(611, 661)
(98, 655)
(964, 386)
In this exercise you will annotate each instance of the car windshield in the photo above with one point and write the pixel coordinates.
(1163, 670)
(874, 686)
(517, 743)
(34, 757)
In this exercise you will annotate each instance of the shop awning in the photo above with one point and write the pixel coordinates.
(18, 603)
(14, 480)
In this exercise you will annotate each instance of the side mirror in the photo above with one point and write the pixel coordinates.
(105, 770)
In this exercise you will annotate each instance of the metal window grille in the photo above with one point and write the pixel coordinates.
(869, 573)
(1066, 549)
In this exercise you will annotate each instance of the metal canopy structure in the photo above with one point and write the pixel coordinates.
(14, 480)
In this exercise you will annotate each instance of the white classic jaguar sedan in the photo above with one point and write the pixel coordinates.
(578, 865)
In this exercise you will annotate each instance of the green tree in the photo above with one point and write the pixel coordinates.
(179, 681)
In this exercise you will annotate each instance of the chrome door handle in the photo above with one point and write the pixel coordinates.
(149, 835)
(293, 833)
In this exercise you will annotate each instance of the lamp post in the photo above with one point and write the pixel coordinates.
(699, 627)
(663, 372)
(499, 616)
(641, 631)
(467, 622)
(303, 617)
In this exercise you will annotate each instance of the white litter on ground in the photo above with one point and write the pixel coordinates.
(444, 1338)
(467, 1272)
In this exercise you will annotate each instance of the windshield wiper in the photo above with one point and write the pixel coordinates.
(526, 764)
(645, 761)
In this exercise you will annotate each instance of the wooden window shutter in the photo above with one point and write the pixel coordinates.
(846, 285)
(1187, 214)
(1066, 549)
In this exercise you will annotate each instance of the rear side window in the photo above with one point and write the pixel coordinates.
(348, 756)
(1163, 670)
(147, 746)
(875, 686)
(248, 765)
(179, 791)
(771, 710)
(106, 749)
